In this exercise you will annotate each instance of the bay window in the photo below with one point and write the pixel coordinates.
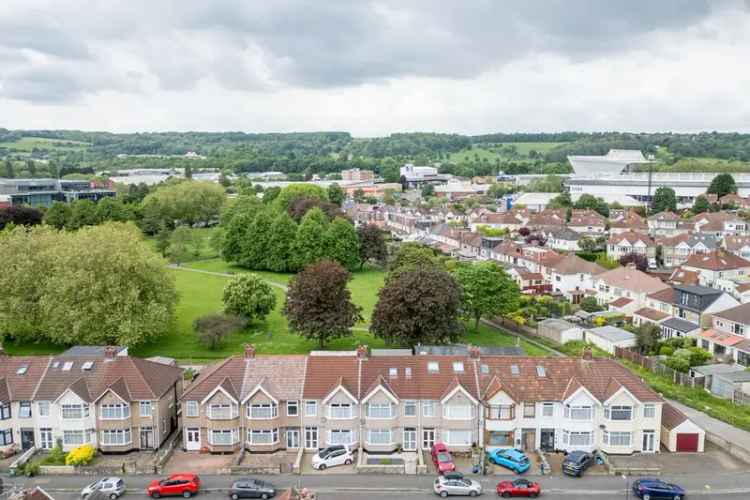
(263, 436)
(501, 438)
(340, 411)
(617, 438)
(262, 411)
(618, 412)
(579, 412)
(379, 410)
(340, 436)
(458, 437)
(115, 412)
(73, 411)
(457, 412)
(379, 436)
(577, 438)
(116, 437)
(222, 411)
(223, 437)
(74, 438)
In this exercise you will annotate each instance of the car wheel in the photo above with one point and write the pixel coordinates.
(646, 497)
(322, 467)
(235, 496)
(444, 494)
(677, 497)
(348, 462)
(155, 494)
(186, 494)
(264, 496)
(534, 495)
(506, 494)
(113, 496)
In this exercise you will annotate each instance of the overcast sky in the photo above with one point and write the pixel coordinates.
(375, 67)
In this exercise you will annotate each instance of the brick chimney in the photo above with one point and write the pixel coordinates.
(110, 352)
(249, 351)
(587, 354)
(362, 352)
(474, 352)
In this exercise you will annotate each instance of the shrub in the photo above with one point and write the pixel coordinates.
(56, 456)
(31, 469)
(590, 305)
(83, 455)
(600, 321)
(666, 350)
(678, 363)
(214, 328)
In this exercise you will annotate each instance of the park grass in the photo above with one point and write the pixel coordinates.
(695, 164)
(486, 335)
(27, 144)
(491, 153)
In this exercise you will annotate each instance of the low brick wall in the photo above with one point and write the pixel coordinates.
(380, 469)
(297, 467)
(57, 469)
(733, 449)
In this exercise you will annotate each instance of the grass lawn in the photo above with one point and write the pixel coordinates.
(722, 409)
(490, 153)
(489, 336)
(29, 143)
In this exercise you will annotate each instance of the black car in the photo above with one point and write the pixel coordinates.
(251, 488)
(576, 462)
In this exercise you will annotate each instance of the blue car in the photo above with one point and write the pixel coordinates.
(648, 489)
(512, 459)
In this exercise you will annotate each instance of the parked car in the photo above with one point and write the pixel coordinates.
(332, 456)
(251, 488)
(576, 463)
(185, 485)
(649, 488)
(442, 458)
(112, 487)
(459, 487)
(518, 488)
(510, 458)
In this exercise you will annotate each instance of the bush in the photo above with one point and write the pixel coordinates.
(214, 328)
(31, 469)
(678, 363)
(56, 456)
(666, 350)
(590, 305)
(83, 455)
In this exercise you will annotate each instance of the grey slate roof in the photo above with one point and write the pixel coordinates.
(83, 351)
(679, 324)
(612, 333)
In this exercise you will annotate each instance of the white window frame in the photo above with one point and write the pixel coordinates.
(529, 408)
(340, 411)
(145, 409)
(339, 433)
(380, 406)
(548, 410)
(311, 405)
(649, 408)
(74, 411)
(619, 410)
(575, 412)
(24, 409)
(617, 438)
(232, 433)
(451, 412)
(448, 436)
(116, 437)
(292, 404)
(410, 408)
(381, 433)
(568, 435)
(428, 408)
(115, 411)
(192, 409)
(74, 433)
(253, 434)
(222, 411)
(262, 411)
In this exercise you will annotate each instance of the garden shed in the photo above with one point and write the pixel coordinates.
(559, 331)
(608, 337)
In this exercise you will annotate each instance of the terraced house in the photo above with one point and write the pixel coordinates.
(95, 396)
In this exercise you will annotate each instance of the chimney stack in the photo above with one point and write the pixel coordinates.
(249, 351)
(362, 352)
(474, 352)
(110, 352)
(587, 354)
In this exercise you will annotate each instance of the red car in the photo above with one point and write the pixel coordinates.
(185, 485)
(442, 458)
(518, 488)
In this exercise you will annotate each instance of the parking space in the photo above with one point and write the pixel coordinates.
(555, 461)
(307, 467)
(281, 460)
(714, 458)
(200, 463)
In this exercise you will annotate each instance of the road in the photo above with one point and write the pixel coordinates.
(725, 486)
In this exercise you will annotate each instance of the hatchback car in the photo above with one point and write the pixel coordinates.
(649, 488)
(251, 488)
(576, 463)
(518, 488)
(457, 487)
(111, 487)
(442, 458)
(511, 458)
(185, 485)
(332, 456)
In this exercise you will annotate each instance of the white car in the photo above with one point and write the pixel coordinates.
(333, 456)
(453, 485)
(111, 487)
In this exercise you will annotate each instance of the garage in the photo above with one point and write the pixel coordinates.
(679, 433)
(687, 442)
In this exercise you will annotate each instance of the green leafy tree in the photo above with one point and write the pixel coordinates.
(488, 291)
(592, 202)
(412, 255)
(243, 204)
(722, 185)
(100, 285)
(280, 257)
(310, 241)
(428, 191)
(235, 236)
(188, 172)
(254, 246)
(664, 200)
(189, 202)
(589, 304)
(270, 194)
(294, 191)
(213, 329)
(318, 303)
(57, 215)
(389, 170)
(359, 195)
(110, 209)
(336, 194)
(82, 213)
(418, 306)
(372, 247)
(182, 244)
(701, 205)
(647, 337)
(247, 295)
(389, 198)
(163, 240)
(151, 218)
(561, 201)
(9, 171)
(342, 244)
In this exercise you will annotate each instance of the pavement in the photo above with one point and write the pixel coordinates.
(725, 431)
(342, 486)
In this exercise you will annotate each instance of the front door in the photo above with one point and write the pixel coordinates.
(292, 438)
(528, 438)
(428, 438)
(147, 438)
(649, 441)
(410, 439)
(45, 438)
(193, 439)
(311, 438)
(27, 438)
(547, 440)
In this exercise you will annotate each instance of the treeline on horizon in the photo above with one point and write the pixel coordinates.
(326, 152)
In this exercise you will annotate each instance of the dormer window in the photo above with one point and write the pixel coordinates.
(407, 372)
(393, 373)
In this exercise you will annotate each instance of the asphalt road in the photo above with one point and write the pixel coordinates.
(724, 486)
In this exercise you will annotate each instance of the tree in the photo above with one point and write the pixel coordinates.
(189, 202)
(110, 209)
(488, 291)
(57, 215)
(300, 206)
(163, 240)
(560, 201)
(235, 236)
(309, 242)
(254, 245)
(371, 245)
(270, 194)
(664, 200)
(359, 195)
(294, 191)
(592, 202)
(82, 213)
(20, 216)
(389, 198)
(318, 304)
(640, 261)
(588, 244)
(701, 205)
(607, 262)
(418, 306)
(341, 243)
(336, 195)
(100, 285)
(181, 244)
(590, 305)
(188, 172)
(243, 204)
(9, 172)
(213, 329)
(647, 337)
(389, 170)
(247, 295)
(411, 255)
(428, 190)
(280, 256)
(721, 185)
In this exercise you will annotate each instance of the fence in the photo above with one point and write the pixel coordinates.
(741, 398)
(652, 364)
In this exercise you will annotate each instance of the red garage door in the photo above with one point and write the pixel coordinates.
(687, 442)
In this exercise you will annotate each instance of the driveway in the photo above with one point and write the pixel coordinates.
(339, 469)
(200, 463)
(713, 458)
(555, 461)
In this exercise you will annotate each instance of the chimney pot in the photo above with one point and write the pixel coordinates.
(362, 351)
(587, 354)
(474, 352)
(110, 352)
(249, 351)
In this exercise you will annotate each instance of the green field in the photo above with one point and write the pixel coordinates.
(27, 144)
(492, 152)
(701, 165)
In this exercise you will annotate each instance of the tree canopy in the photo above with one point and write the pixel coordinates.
(664, 200)
(487, 290)
(722, 185)
(247, 295)
(188, 202)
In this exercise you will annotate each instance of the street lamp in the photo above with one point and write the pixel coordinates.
(627, 486)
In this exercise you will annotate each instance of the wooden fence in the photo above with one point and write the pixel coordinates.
(652, 364)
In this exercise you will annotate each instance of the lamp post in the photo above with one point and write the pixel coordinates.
(627, 486)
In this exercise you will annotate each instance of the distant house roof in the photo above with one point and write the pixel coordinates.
(679, 324)
(723, 338)
(612, 333)
(621, 302)
(632, 237)
(463, 350)
(85, 351)
(738, 314)
(738, 377)
(715, 368)
(717, 260)
(684, 276)
(535, 198)
(632, 279)
(651, 314)
(671, 417)
(573, 264)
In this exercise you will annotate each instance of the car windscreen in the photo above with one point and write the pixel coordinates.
(443, 457)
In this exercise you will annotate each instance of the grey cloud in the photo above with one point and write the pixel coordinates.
(41, 36)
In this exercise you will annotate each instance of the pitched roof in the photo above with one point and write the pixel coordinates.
(632, 237)
(651, 314)
(632, 279)
(671, 417)
(679, 324)
(738, 314)
(684, 276)
(586, 217)
(326, 371)
(717, 260)
(735, 243)
(723, 338)
(665, 216)
(621, 302)
(21, 383)
(573, 264)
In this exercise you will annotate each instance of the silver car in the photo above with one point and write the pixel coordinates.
(110, 487)
(457, 486)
